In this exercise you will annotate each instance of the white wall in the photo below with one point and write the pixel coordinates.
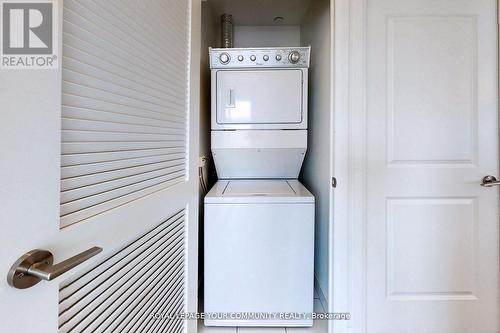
(208, 39)
(266, 36)
(316, 175)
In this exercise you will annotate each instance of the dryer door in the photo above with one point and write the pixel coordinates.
(257, 99)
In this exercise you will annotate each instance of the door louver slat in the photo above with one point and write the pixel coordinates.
(114, 156)
(124, 102)
(114, 174)
(87, 99)
(117, 127)
(121, 294)
(87, 168)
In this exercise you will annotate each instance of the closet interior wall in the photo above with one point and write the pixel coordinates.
(316, 171)
(207, 168)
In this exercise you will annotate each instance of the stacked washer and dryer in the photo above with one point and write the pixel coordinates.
(259, 219)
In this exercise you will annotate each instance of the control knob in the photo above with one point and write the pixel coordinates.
(265, 57)
(224, 58)
(252, 57)
(294, 57)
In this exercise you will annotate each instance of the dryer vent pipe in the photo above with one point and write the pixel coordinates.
(227, 30)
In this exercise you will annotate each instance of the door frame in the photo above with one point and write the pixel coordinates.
(193, 153)
(348, 225)
(347, 252)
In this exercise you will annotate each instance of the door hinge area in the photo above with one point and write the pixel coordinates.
(334, 182)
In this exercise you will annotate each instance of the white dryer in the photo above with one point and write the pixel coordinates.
(259, 111)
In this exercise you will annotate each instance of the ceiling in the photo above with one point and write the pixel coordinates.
(261, 12)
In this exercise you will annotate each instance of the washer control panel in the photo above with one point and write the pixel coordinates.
(281, 57)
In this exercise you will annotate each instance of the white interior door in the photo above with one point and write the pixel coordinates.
(432, 135)
(103, 152)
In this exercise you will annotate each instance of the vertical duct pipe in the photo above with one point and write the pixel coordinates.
(227, 30)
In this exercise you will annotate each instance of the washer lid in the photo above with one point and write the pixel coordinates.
(259, 191)
(258, 188)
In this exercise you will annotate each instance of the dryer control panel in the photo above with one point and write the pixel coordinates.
(274, 57)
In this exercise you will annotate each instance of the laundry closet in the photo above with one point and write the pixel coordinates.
(283, 50)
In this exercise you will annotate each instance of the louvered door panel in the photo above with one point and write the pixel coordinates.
(126, 291)
(124, 102)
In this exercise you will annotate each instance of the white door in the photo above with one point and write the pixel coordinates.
(102, 152)
(432, 135)
(260, 98)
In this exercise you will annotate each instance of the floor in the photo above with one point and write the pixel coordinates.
(320, 326)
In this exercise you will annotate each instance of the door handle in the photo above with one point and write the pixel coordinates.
(490, 181)
(231, 99)
(37, 265)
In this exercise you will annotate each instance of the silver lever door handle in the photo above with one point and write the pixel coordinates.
(490, 181)
(37, 265)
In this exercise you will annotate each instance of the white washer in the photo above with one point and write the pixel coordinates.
(259, 111)
(259, 251)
